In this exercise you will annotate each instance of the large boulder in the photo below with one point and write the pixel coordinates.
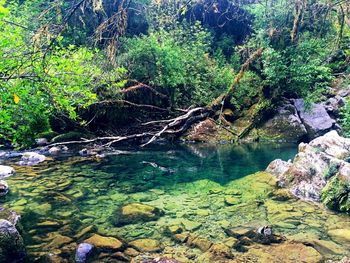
(319, 172)
(315, 118)
(284, 125)
(134, 213)
(6, 171)
(11, 243)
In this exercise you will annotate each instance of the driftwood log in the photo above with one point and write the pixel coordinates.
(175, 126)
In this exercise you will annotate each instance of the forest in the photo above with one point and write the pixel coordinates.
(174, 131)
(105, 68)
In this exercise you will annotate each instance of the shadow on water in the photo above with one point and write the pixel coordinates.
(162, 166)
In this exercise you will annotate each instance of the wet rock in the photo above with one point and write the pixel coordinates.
(190, 225)
(316, 119)
(281, 195)
(284, 125)
(4, 188)
(285, 252)
(10, 216)
(333, 105)
(231, 200)
(162, 260)
(202, 243)
(217, 253)
(340, 235)
(134, 213)
(6, 171)
(59, 241)
(31, 158)
(11, 243)
(326, 247)
(131, 252)
(146, 245)
(104, 243)
(83, 252)
(85, 231)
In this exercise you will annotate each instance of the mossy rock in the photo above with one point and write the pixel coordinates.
(70, 136)
(135, 213)
(335, 195)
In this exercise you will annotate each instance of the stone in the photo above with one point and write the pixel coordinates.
(104, 243)
(319, 163)
(202, 243)
(237, 232)
(190, 225)
(10, 216)
(131, 252)
(85, 231)
(340, 235)
(327, 247)
(146, 245)
(282, 195)
(284, 125)
(31, 158)
(4, 188)
(288, 252)
(41, 141)
(316, 119)
(83, 252)
(6, 171)
(231, 200)
(54, 150)
(134, 213)
(59, 241)
(11, 243)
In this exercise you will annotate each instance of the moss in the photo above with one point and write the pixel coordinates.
(335, 195)
(47, 135)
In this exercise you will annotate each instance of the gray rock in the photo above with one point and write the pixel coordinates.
(6, 171)
(83, 252)
(316, 119)
(11, 243)
(284, 125)
(314, 165)
(31, 158)
(58, 149)
(4, 188)
(41, 141)
(333, 105)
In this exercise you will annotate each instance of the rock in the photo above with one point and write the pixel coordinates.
(282, 195)
(334, 104)
(6, 171)
(104, 243)
(288, 252)
(69, 136)
(83, 252)
(4, 188)
(278, 167)
(231, 200)
(146, 245)
(135, 212)
(202, 243)
(41, 141)
(340, 235)
(11, 243)
(59, 241)
(54, 150)
(316, 119)
(31, 158)
(161, 260)
(321, 162)
(85, 231)
(327, 247)
(10, 216)
(190, 225)
(284, 125)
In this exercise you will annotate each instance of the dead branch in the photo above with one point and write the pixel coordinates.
(130, 104)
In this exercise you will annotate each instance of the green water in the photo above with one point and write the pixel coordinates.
(190, 183)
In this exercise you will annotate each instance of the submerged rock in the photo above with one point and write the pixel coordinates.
(11, 243)
(104, 243)
(319, 172)
(134, 213)
(6, 171)
(146, 245)
(31, 158)
(83, 252)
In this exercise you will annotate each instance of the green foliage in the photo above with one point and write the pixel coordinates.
(345, 119)
(179, 62)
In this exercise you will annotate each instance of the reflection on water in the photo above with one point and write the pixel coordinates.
(66, 200)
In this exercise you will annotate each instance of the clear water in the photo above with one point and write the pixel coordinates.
(190, 183)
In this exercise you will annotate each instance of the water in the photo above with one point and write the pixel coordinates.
(202, 188)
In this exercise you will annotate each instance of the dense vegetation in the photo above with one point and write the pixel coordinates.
(85, 63)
